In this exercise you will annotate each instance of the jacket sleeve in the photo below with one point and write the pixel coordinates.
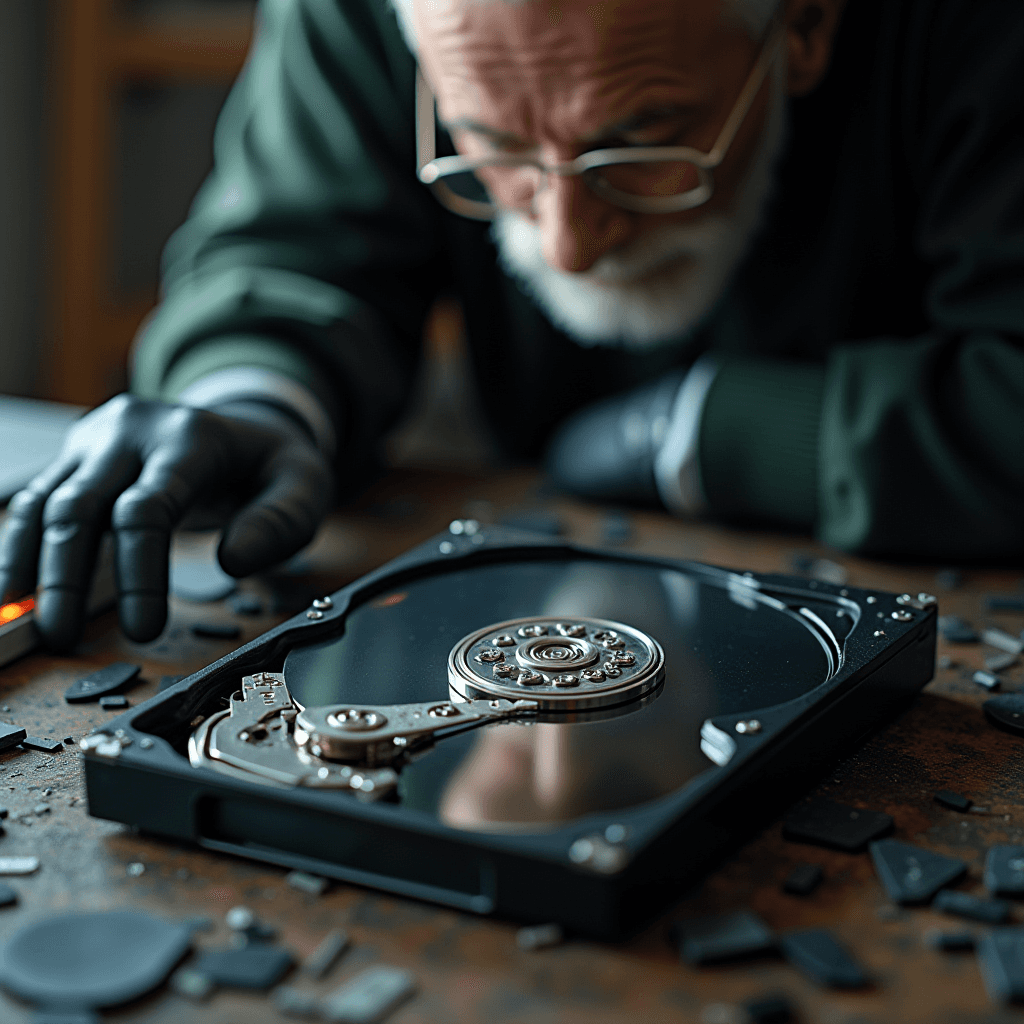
(910, 446)
(311, 252)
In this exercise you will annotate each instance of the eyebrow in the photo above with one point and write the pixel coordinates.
(635, 122)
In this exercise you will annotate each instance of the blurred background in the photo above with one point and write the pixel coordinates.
(107, 113)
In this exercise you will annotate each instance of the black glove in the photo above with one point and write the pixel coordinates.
(606, 451)
(138, 467)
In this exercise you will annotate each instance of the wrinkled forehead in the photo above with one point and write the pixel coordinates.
(566, 52)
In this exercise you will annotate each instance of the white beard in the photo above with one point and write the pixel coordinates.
(652, 292)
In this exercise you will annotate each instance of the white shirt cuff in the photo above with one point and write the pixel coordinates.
(248, 383)
(677, 464)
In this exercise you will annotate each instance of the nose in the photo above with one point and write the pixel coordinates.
(577, 227)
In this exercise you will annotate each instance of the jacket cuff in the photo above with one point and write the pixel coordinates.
(759, 442)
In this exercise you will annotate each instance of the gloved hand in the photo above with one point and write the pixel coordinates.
(138, 467)
(606, 451)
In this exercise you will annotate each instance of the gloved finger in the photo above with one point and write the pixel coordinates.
(23, 530)
(143, 517)
(282, 518)
(74, 518)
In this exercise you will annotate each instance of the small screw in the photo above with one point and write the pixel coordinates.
(323, 603)
(872, 599)
(146, 743)
(901, 615)
(443, 711)
(748, 726)
(879, 632)
(446, 547)
(312, 614)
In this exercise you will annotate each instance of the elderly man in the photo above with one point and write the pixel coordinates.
(752, 260)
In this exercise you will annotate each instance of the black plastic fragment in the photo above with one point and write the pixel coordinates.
(1004, 603)
(318, 964)
(818, 954)
(8, 896)
(43, 744)
(256, 966)
(111, 679)
(826, 823)
(117, 702)
(769, 1010)
(246, 604)
(216, 630)
(955, 630)
(963, 904)
(954, 801)
(803, 879)
(705, 940)
(1004, 870)
(1007, 712)
(1001, 959)
(952, 942)
(911, 874)
(105, 958)
(10, 735)
(1000, 662)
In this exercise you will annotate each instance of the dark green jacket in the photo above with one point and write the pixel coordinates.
(872, 344)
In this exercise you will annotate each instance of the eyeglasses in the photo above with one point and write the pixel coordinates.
(644, 179)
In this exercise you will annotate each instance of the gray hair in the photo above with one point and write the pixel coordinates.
(752, 15)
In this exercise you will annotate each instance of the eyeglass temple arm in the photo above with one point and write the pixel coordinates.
(425, 128)
(747, 95)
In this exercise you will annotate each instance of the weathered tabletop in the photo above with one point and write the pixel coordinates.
(470, 969)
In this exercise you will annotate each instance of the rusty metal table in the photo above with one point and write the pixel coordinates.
(470, 969)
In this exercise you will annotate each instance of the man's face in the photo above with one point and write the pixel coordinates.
(552, 79)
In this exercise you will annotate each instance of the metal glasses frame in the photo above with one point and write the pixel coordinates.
(433, 170)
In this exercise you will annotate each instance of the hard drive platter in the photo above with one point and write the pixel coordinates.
(510, 724)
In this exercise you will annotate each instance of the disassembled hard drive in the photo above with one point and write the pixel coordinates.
(510, 724)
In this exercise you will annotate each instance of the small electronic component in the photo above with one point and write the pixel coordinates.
(1004, 870)
(741, 934)
(827, 823)
(368, 997)
(319, 963)
(987, 679)
(911, 874)
(117, 702)
(1003, 640)
(43, 744)
(974, 908)
(10, 735)
(817, 953)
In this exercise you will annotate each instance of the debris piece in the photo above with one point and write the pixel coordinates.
(827, 823)
(986, 679)
(1000, 662)
(705, 940)
(91, 960)
(803, 879)
(325, 956)
(1004, 603)
(954, 801)
(540, 936)
(10, 735)
(111, 679)
(191, 984)
(955, 630)
(8, 896)
(1004, 641)
(256, 966)
(1007, 712)
(963, 904)
(239, 919)
(68, 741)
(948, 579)
(817, 953)
(42, 743)
(135, 869)
(775, 1009)
(48, 791)
(40, 809)
(945, 662)
(216, 630)
(1001, 960)
(166, 682)
(315, 885)
(368, 997)
(911, 874)
(1004, 870)
(296, 1002)
(246, 604)
(116, 703)
(3, 813)
(951, 942)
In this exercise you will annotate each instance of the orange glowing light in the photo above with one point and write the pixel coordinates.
(14, 610)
